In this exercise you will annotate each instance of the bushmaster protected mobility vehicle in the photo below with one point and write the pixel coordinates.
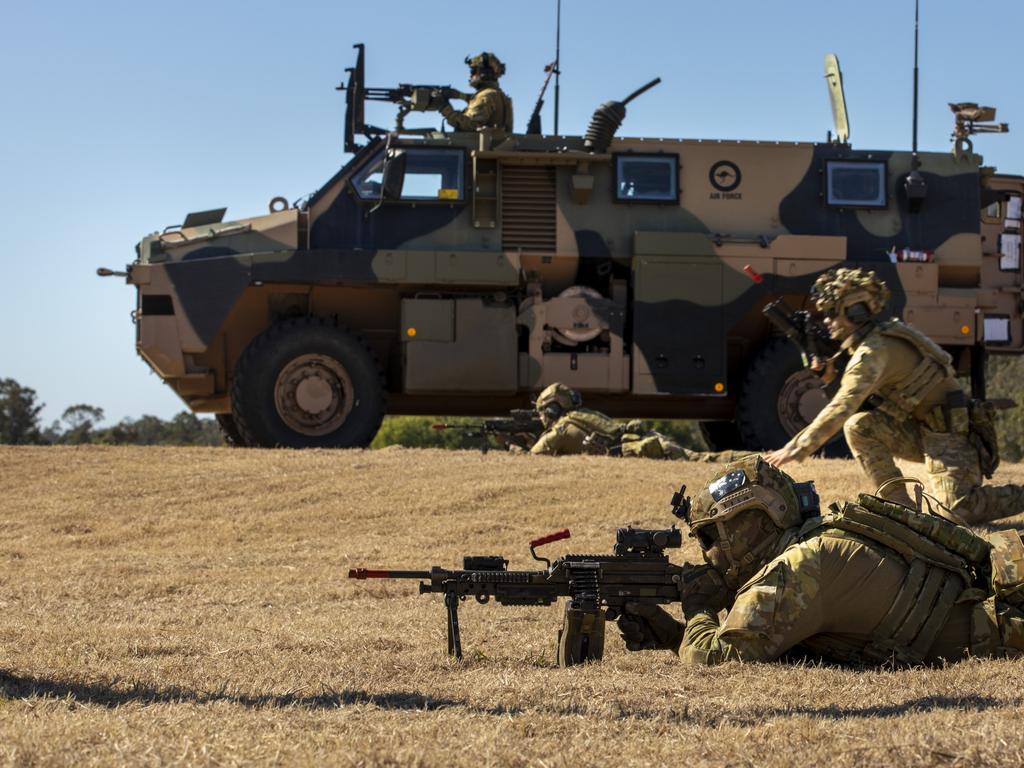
(461, 272)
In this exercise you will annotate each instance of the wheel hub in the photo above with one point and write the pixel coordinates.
(801, 399)
(313, 394)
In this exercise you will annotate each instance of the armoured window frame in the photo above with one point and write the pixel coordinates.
(881, 168)
(413, 200)
(670, 158)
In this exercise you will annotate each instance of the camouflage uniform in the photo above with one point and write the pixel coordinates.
(489, 107)
(869, 582)
(910, 382)
(577, 430)
(828, 594)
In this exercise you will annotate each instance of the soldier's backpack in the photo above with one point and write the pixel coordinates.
(947, 564)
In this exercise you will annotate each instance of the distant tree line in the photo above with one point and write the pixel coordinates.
(79, 424)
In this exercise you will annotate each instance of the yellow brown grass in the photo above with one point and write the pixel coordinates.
(165, 606)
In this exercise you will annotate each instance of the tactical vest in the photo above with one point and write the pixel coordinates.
(502, 117)
(602, 432)
(901, 399)
(947, 564)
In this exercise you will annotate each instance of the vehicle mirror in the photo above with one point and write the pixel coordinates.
(394, 174)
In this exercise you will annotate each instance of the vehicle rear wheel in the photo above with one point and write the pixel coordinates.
(229, 429)
(305, 383)
(721, 435)
(780, 397)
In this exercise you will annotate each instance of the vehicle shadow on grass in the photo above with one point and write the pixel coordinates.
(13, 686)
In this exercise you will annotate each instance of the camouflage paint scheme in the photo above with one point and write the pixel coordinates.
(459, 296)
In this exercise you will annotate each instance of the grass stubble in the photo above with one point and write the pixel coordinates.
(170, 606)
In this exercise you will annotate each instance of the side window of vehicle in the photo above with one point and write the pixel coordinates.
(430, 174)
(368, 181)
(856, 184)
(646, 178)
(434, 174)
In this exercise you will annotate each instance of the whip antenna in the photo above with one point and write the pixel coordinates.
(558, 58)
(915, 186)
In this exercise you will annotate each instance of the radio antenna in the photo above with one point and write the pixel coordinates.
(915, 186)
(558, 57)
(917, 7)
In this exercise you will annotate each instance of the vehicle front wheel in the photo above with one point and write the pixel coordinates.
(779, 398)
(305, 383)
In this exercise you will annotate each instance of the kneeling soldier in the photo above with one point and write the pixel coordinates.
(899, 398)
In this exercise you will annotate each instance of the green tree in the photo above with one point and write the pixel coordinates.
(1004, 374)
(19, 414)
(80, 421)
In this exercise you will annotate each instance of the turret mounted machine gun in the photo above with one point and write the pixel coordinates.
(409, 98)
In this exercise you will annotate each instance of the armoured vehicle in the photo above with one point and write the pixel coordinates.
(461, 272)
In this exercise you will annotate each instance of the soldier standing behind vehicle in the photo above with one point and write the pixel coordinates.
(489, 107)
(571, 429)
(918, 411)
(869, 582)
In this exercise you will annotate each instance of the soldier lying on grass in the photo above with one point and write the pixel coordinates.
(870, 582)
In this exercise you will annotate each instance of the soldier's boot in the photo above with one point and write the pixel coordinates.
(986, 503)
(955, 471)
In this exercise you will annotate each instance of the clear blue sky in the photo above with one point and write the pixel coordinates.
(118, 118)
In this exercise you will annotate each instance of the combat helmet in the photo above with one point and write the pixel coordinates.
(484, 69)
(556, 399)
(838, 290)
(751, 484)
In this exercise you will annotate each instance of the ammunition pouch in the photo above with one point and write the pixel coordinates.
(581, 637)
(1003, 616)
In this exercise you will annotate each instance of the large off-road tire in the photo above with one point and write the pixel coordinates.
(229, 429)
(780, 397)
(721, 435)
(306, 383)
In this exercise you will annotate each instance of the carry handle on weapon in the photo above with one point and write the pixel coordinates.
(558, 536)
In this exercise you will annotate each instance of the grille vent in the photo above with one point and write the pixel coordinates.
(528, 208)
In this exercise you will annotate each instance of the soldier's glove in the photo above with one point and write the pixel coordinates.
(703, 590)
(647, 627)
(439, 102)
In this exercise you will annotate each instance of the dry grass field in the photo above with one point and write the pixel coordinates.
(191, 607)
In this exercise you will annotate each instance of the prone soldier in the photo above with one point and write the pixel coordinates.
(868, 582)
(899, 398)
(489, 107)
(572, 429)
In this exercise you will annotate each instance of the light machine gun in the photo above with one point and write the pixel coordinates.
(597, 586)
(522, 428)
